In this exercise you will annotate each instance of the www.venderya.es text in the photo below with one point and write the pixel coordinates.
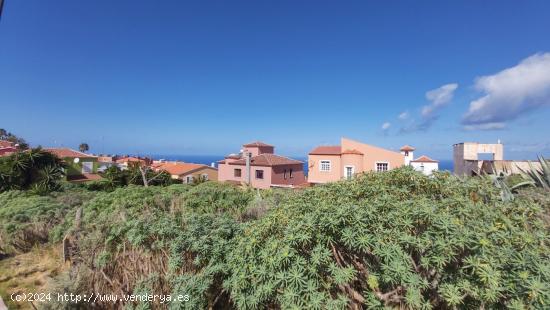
(95, 297)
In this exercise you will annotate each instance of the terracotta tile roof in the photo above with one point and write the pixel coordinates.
(257, 143)
(105, 159)
(67, 152)
(129, 160)
(6, 151)
(267, 160)
(179, 168)
(4, 143)
(354, 151)
(407, 148)
(326, 150)
(424, 159)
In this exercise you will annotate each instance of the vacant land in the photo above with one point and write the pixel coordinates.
(394, 239)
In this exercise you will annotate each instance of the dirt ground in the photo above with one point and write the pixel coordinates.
(28, 273)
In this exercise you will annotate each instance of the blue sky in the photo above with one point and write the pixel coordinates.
(203, 77)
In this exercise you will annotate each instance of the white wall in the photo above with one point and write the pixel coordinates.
(408, 157)
(426, 168)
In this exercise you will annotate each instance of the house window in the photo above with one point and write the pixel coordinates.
(348, 172)
(325, 165)
(381, 167)
(259, 174)
(290, 174)
(189, 179)
(205, 177)
(237, 173)
(284, 174)
(87, 167)
(421, 167)
(406, 153)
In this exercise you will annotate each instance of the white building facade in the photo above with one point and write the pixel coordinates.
(425, 165)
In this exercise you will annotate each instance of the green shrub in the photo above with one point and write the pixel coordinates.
(135, 234)
(26, 220)
(395, 239)
(214, 197)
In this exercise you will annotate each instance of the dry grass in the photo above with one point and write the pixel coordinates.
(28, 273)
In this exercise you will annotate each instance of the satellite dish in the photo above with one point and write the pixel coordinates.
(76, 160)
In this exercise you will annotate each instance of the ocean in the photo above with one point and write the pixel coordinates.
(197, 159)
(209, 159)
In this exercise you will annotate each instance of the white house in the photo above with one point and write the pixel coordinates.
(425, 165)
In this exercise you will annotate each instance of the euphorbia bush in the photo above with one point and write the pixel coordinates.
(394, 239)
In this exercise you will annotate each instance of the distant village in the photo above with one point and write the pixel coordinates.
(256, 164)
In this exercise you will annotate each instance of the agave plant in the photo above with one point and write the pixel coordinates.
(499, 180)
(538, 177)
(49, 177)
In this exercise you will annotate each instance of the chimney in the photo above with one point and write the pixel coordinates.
(247, 156)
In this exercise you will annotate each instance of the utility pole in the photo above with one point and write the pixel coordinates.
(248, 156)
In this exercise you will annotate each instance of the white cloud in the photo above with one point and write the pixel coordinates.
(536, 147)
(486, 126)
(386, 126)
(439, 98)
(403, 116)
(510, 93)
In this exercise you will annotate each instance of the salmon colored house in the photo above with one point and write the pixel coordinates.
(333, 163)
(187, 172)
(258, 166)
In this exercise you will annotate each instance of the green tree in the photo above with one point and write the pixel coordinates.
(84, 147)
(139, 174)
(115, 177)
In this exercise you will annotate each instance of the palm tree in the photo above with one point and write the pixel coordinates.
(84, 147)
(35, 168)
